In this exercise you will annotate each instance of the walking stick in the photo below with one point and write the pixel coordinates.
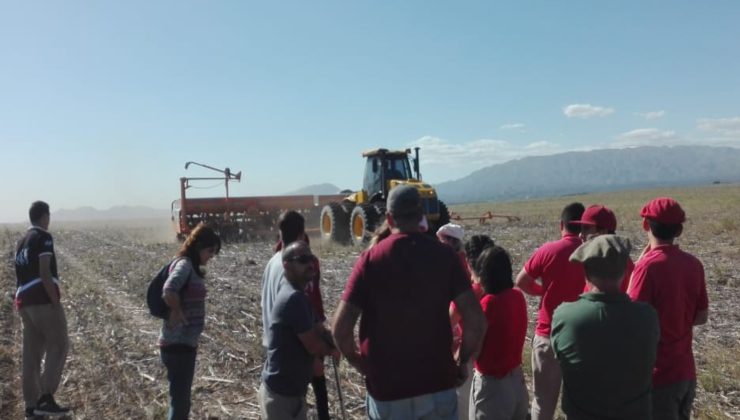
(339, 388)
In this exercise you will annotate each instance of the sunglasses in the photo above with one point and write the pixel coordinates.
(302, 259)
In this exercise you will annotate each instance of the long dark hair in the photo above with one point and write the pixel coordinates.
(494, 265)
(474, 247)
(200, 238)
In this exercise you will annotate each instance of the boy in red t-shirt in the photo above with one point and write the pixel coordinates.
(498, 389)
(600, 220)
(672, 281)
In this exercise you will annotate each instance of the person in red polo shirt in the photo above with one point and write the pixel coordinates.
(600, 220)
(498, 390)
(561, 281)
(672, 281)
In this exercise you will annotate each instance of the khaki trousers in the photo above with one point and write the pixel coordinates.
(274, 406)
(546, 377)
(503, 398)
(463, 393)
(44, 338)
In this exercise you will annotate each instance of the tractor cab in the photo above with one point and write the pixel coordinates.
(354, 219)
(381, 167)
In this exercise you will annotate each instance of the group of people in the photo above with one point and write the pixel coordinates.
(442, 321)
(616, 335)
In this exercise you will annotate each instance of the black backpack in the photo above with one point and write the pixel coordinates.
(157, 307)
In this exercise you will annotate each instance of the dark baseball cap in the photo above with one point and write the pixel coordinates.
(600, 216)
(404, 200)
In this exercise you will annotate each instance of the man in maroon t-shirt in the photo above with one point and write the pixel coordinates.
(600, 220)
(672, 281)
(561, 281)
(402, 288)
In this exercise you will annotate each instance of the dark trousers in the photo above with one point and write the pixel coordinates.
(180, 363)
(318, 383)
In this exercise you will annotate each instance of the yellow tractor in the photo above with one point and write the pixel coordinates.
(354, 219)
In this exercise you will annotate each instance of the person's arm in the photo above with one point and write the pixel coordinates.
(315, 342)
(702, 304)
(701, 317)
(454, 315)
(343, 332)
(645, 250)
(46, 278)
(475, 326)
(528, 284)
(171, 293)
(177, 316)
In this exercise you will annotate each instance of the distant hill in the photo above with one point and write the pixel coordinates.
(593, 171)
(113, 213)
(318, 189)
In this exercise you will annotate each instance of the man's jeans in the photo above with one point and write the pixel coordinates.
(437, 406)
(180, 363)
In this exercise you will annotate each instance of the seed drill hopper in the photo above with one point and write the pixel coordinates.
(239, 218)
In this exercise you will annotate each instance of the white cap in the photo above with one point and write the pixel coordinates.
(452, 230)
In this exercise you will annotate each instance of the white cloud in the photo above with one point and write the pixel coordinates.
(584, 111)
(512, 126)
(723, 126)
(442, 160)
(648, 137)
(652, 115)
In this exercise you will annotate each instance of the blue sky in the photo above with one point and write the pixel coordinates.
(102, 103)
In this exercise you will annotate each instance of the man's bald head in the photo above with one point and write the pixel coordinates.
(295, 249)
(298, 264)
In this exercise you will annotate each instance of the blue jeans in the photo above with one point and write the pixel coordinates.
(180, 363)
(440, 405)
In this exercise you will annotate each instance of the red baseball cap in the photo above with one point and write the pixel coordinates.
(600, 216)
(664, 210)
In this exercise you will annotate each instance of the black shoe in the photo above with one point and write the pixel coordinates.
(48, 407)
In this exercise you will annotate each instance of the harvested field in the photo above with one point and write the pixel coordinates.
(114, 371)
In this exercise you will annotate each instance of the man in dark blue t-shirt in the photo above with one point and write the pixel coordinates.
(293, 340)
(44, 324)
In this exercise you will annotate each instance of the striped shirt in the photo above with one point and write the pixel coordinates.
(193, 302)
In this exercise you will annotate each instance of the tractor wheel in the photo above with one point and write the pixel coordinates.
(362, 223)
(444, 218)
(334, 223)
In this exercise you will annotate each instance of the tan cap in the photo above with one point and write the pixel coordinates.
(607, 254)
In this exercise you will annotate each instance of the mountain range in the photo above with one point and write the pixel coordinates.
(594, 171)
(540, 176)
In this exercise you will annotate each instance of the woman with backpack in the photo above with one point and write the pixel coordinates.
(184, 292)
